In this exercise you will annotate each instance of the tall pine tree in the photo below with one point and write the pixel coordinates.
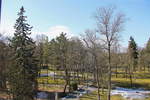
(133, 57)
(133, 53)
(23, 70)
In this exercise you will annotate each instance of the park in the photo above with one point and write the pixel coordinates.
(94, 64)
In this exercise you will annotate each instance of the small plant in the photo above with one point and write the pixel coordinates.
(74, 86)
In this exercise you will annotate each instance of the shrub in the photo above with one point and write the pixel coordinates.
(74, 86)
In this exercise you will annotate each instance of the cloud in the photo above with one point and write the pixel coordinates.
(55, 31)
(7, 29)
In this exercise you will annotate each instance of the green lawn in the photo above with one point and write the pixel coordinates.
(50, 80)
(93, 96)
(50, 88)
(141, 80)
(137, 83)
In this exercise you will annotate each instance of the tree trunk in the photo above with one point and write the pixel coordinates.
(66, 79)
(116, 71)
(98, 84)
(47, 73)
(131, 83)
(78, 74)
(109, 73)
(97, 77)
(87, 80)
(65, 87)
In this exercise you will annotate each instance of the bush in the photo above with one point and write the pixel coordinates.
(74, 86)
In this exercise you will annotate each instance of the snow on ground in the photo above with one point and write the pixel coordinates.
(42, 95)
(131, 93)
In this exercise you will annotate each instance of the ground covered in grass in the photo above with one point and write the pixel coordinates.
(140, 80)
(93, 96)
(137, 83)
(50, 80)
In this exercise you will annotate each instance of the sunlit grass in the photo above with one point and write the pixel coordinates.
(49, 80)
(137, 83)
(51, 88)
(93, 96)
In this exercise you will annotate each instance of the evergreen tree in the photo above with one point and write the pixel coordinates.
(59, 54)
(46, 51)
(62, 44)
(133, 53)
(148, 46)
(147, 54)
(133, 57)
(23, 70)
(54, 55)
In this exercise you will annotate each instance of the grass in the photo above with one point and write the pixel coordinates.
(50, 88)
(136, 75)
(44, 71)
(137, 83)
(93, 96)
(141, 80)
(49, 80)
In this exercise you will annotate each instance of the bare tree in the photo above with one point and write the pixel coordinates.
(109, 24)
(92, 44)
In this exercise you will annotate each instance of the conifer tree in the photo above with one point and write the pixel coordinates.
(46, 51)
(133, 52)
(148, 46)
(59, 54)
(147, 54)
(133, 57)
(23, 70)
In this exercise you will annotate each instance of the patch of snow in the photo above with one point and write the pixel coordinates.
(42, 95)
(131, 93)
